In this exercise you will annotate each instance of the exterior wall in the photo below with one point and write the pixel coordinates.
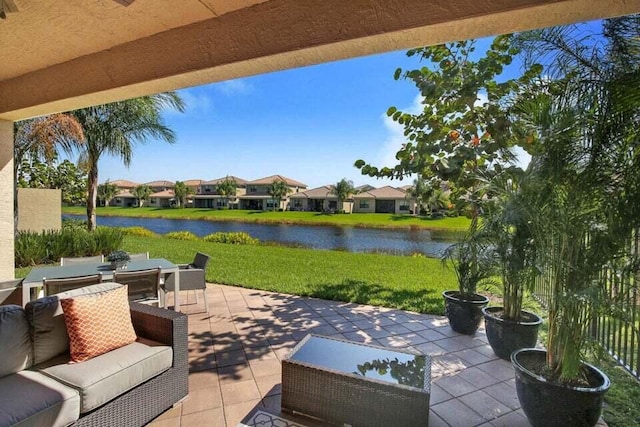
(298, 204)
(124, 202)
(39, 209)
(409, 204)
(358, 207)
(7, 259)
(159, 202)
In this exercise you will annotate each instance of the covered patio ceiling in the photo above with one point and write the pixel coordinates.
(64, 55)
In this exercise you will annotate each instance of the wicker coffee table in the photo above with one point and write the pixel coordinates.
(347, 383)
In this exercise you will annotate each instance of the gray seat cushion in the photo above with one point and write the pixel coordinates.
(107, 376)
(15, 341)
(49, 331)
(29, 398)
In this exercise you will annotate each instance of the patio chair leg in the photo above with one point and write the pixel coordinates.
(196, 294)
(206, 303)
(166, 299)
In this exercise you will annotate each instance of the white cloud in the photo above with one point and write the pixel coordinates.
(234, 87)
(196, 100)
(395, 134)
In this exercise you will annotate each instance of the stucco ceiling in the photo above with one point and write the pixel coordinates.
(59, 55)
(44, 32)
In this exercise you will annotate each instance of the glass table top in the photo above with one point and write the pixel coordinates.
(381, 364)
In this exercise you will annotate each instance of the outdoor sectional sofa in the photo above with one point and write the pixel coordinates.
(128, 386)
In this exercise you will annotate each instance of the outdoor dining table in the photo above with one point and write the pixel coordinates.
(34, 279)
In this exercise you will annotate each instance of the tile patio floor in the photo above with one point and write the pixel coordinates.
(235, 354)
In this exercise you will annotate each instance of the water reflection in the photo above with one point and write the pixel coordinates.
(409, 372)
(400, 242)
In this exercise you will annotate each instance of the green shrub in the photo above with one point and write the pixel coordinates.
(74, 223)
(29, 249)
(234, 238)
(138, 231)
(49, 246)
(182, 235)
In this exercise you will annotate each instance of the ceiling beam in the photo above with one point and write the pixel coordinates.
(276, 35)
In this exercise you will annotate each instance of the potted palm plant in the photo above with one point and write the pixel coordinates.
(581, 129)
(506, 227)
(463, 307)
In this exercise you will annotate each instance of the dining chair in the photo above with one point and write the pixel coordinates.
(55, 286)
(139, 257)
(143, 285)
(11, 292)
(82, 260)
(192, 278)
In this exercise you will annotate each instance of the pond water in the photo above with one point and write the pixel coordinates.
(352, 239)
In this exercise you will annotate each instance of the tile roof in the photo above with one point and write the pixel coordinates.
(273, 178)
(123, 183)
(386, 192)
(192, 182)
(160, 184)
(166, 194)
(323, 192)
(125, 193)
(239, 181)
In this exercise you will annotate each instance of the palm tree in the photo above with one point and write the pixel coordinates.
(107, 192)
(421, 191)
(343, 189)
(227, 188)
(116, 128)
(278, 191)
(40, 139)
(181, 191)
(142, 192)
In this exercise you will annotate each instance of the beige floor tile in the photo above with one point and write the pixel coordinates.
(237, 412)
(203, 379)
(269, 385)
(212, 417)
(235, 373)
(263, 368)
(239, 392)
(202, 400)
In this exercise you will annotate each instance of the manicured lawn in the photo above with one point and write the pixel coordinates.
(409, 283)
(458, 224)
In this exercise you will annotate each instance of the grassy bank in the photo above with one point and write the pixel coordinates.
(408, 283)
(458, 224)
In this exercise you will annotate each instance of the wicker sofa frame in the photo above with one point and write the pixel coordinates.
(342, 398)
(145, 402)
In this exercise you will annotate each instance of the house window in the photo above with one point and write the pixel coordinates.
(153, 201)
(404, 206)
(271, 203)
(364, 204)
(297, 203)
(117, 199)
(221, 203)
(333, 204)
(207, 189)
(252, 189)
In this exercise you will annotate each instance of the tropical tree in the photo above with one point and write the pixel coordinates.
(41, 138)
(464, 127)
(181, 190)
(106, 192)
(227, 188)
(421, 191)
(142, 192)
(66, 176)
(278, 191)
(581, 126)
(343, 190)
(114, 129)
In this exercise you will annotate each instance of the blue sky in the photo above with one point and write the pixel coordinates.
(310, 124)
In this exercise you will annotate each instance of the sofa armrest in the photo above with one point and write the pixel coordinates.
(164, 326)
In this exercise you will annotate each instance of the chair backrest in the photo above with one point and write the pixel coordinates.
(142, 284)
(138, 257)
(55, 286)
(201, 260)
(11, 292)
(82, 260)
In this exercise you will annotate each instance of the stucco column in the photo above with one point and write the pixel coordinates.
(6, 201)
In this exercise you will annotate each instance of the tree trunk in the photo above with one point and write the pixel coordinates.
(92, 188)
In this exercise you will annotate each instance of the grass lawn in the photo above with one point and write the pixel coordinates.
(458, 224)
(408, 283)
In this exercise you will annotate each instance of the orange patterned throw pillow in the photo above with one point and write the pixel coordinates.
(97, 324)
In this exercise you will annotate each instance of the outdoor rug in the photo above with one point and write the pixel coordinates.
(264, 419)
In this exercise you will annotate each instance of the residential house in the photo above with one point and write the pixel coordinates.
(257, 196)
(207, 196)
(194, 186)
(162, 194)
(384, 200)
(124, 197)
(319, 199)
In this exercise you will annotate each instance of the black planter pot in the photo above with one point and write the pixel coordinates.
(505, 336)
(464, 314)
(547, 404)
